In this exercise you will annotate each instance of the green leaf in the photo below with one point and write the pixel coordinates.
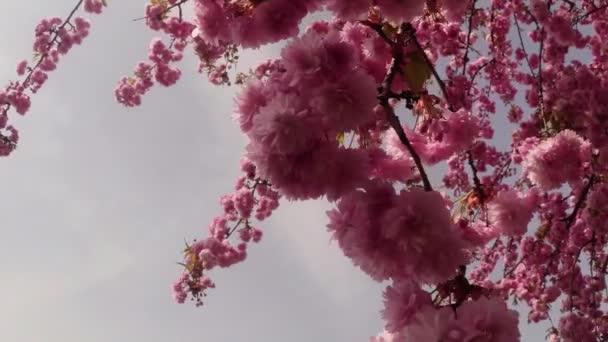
(416, 71)
(341, 138)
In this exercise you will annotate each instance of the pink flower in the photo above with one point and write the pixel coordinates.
(574, 328)
(596, 212)
(402, 301)
(94, 6)
(420, 223)
(212, 22)
(278, 19)
(395, 236)
(430, 152)
(400, 11)
(349, 9)
(482, 320)
(347, 103)
(244, 202)
(511, 211)
(441, 138)
(257, 235)
(303, 56)
(317, 56)
(387, 337)
(388, 168)
(21, 68)
(285, 126)
(557, 160)
(248, 168)
(454, 9)
(460, 130)
(248, 104)
(307, 174)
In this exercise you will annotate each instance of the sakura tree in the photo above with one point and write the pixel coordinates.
(361, 108)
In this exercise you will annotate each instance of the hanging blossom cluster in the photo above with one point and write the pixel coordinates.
(54, 37)
(356, 110)
(253, 199)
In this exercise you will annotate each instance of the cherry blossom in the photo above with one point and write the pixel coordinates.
(461, 145)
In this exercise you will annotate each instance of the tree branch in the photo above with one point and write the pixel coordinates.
(413, 39)
(53, 41)
(465, 59)
(383, 98)
(476, 181)
(167, 10)
(385, 92)
(521, 42)
(579, 204)
(586, 15)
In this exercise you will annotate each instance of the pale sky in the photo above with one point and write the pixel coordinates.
(98, 200)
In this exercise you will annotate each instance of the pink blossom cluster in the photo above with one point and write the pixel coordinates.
(253, 199)
(159, 66)
(333, 95)
(481, 320)
(356, 110)
(159, 69)
(251, 23)
(394, 236)
(53, 37)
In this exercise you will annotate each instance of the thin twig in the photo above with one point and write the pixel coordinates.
(53, 41)
(584, 16)
(413, 39)
(576, 260)
(378, 28)
(476, 181)
(579, 204)
(384, 97)
(540, 77)
(465, 59)
(166, 10)
(396, 125)
(521, 41)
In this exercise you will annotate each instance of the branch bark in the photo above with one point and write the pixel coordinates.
(384, 97)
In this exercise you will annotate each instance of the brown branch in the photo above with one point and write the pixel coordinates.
(236, 226)
(378, 28)
(167, 10)
(540, 77)
(386, 94)
(53, 41)
(576, 260)
(476, 73)
(465, 59)
(521, 42)
(476, 181)
(396, 125)
(586, 15)
(7, 106)
(508, 273)
(579, 204)
(412, 36)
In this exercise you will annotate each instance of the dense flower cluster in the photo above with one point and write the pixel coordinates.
(357, 109)
(398, 236)
(252, 199)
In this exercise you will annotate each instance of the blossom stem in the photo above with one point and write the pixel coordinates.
(465, 59)
(413, 39)
(579, 204)
(476, 181)
(53, 41)
(385, 95)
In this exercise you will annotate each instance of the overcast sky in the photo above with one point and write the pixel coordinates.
(97, 202)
